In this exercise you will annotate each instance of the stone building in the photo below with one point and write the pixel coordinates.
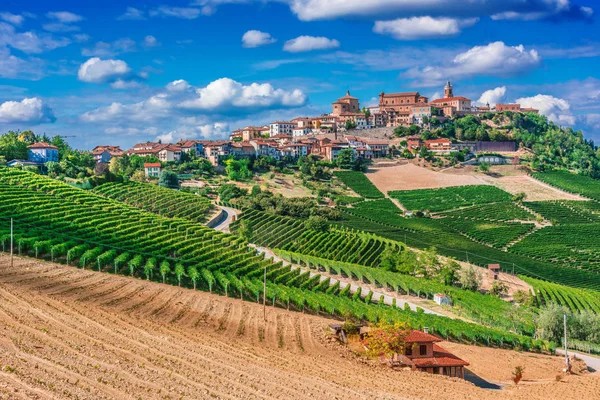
(346, 104)
(397, 107)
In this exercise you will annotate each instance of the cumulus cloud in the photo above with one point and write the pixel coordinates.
(556, 109)
(132, 13)
(492, 96)
(309, 43)
(13, 67)
(30, 110)
(495, 59)
(225, 93)
(422, 27)
(150, 41)
(110, 49)
(176, 12)
(221, 97)
(29, 42)
(178, 85)
(96, 70)
(14, 19)
(65, 17)
(255, 38)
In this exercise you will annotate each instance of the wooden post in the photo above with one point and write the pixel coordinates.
(567, 363)
(11, 244)
(265, 295)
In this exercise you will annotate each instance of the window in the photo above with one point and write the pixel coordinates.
(423, 349)
(409, 350)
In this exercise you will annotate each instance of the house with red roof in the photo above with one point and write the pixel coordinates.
(152, 170)
(42, 152)
(422, 353)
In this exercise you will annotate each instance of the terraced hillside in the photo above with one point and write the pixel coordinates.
(58, 222)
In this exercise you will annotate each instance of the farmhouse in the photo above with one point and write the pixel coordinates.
(152, 170)
(439, 145)
(106, 153)
(42, 152)
(422, 353)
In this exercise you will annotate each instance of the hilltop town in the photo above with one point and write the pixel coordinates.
(369, 132)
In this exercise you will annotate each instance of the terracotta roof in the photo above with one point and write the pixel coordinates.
(151, 165)
(281, 136)
(376, 141)
(42, 145)
(441, 358)
(283, 122)
(443, 140)
(447, 99)
(421, 337)
(401, 94)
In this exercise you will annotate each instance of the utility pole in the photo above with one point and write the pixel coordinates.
(567, 363)
(11, 244)
(265, 295)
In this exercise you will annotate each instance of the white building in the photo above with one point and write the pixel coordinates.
(296, 132)
(170, 153)
(281, 128)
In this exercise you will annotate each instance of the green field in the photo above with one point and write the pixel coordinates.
(435, 200)
(358, 182)
(578, 184)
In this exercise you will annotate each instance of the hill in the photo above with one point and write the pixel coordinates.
(71, 333)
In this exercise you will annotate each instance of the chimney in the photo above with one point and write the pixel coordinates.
(426, 329)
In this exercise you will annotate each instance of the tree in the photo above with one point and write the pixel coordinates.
(470, 278)
(230, 191)
(484, 167)
(550, 322)
(522, 297)
(387, 340)
(498, 288)
(194, 275)
(179, 272)
(345, 159)
(518, 374)
(164, 270)
(316, 223)
(245, 230)
(238, 169)
(168, 179)
(11, 148)
(519, 197)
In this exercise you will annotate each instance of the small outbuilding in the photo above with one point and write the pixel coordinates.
(494, 271)
(442, 299)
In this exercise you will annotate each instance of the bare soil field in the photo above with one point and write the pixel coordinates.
(67, 333)
(506, 177)
(411, 177)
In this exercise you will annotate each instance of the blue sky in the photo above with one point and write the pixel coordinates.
(119, 73)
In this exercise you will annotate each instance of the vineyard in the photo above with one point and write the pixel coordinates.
(573, 245)
(491, 212)
(155, 199)
(567, 212)
(58, 222)
(358, 182)
(286, 233)
(486, 310)
(572, 183)
(574, 299)
(495, 234)
(423, 233)
(435, 200)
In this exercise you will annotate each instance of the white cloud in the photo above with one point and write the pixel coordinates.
(30, 110)
(492, 96)
(125, 84)
(29, 42)
(308, 43)
(105, 49)
(58, 27)
(557, 110)
(495, 59)
(176, 12)
(179, 100)
(65, 17)
(130, 131)
(14, 19)
(226, 93)
(422, 27)
(132, 13)
(81, 37)
(179, 85)
(255, 38)
(14, 67)
(154, 108)
(150, 41)
(96, 70)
